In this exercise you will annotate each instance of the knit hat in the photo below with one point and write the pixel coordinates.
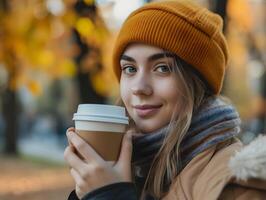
(181, 27)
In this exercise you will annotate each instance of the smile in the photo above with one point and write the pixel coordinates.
(146, 110)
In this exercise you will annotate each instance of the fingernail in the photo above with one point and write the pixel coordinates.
(69, 133)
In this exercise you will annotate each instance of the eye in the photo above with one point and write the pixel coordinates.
(163, 68)
(128, 69)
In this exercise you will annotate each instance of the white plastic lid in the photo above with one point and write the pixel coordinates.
(102, 113)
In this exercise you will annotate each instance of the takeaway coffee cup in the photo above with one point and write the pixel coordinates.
(103, 127)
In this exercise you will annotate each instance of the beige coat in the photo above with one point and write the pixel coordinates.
(209, 175)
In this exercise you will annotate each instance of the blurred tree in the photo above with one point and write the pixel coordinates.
(9, 96)
(220, 7)
(35, 46)
(250, 47)
(261, 114)
(89, 33)
(28, 52)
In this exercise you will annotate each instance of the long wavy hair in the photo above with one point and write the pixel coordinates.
(163, 169)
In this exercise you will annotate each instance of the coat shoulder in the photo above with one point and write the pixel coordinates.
(203, 172)
(216, 173)
(223, 170)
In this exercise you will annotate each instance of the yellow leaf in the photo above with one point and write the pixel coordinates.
(237, 10)
(45, 58)
(84, 26)
(89, 2)
(99, 84)
(34, 87)
(69, 68)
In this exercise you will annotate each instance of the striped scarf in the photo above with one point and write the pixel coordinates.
(214, 122)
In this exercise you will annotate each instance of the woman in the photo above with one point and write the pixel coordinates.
(170, 58)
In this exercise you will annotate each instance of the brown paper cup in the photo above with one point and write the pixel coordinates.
(102, 127)
(106, 144)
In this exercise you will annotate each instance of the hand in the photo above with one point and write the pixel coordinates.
(91, 171)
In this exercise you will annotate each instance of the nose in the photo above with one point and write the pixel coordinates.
(142, 86)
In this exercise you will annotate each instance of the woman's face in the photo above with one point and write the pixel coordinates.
(148, 86)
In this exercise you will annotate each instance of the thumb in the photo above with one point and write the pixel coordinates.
(124, 160)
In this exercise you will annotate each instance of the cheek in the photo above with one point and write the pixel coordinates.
(169, 91)
(126, 97)
(124, 92)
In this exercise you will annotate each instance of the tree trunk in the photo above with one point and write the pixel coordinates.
(10, 112)
(10, 103)
(220, 7)
(86, 89)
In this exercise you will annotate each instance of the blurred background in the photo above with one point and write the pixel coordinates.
(55, 54)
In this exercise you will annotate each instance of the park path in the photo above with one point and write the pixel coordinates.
(21, 179)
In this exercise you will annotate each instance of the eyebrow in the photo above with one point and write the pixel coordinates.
(150, 58)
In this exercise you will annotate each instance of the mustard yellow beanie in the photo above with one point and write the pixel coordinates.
(182, 27)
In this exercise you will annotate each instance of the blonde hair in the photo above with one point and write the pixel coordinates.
(164, 166)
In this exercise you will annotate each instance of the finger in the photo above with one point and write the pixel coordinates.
(73, 160)
(81, 185)
(126, 149)
(71, 129)
(85, 150)
(80, 182)
(134, 132)
(125, 155)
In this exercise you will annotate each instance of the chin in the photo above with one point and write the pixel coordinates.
(147, 128)
(149, 125)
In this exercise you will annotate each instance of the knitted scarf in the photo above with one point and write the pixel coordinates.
(214, 122)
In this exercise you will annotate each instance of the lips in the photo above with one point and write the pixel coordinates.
(146, 110)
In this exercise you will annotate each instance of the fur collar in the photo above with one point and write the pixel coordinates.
(250, 161)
